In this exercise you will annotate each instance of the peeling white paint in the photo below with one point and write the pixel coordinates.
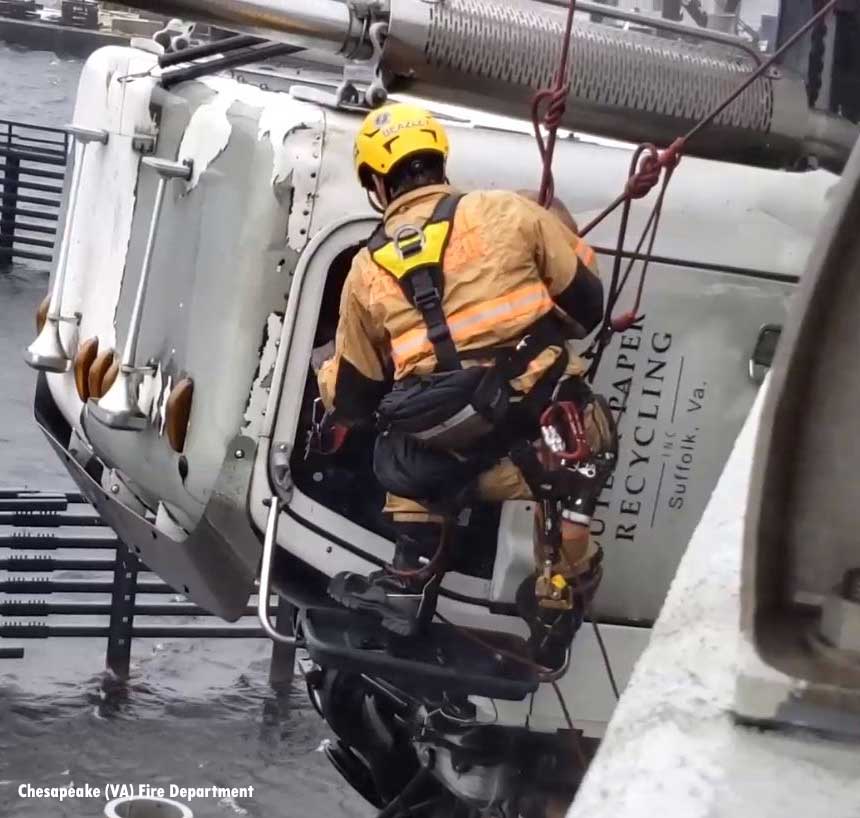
(206, 136)
(280, 121)
(259, 395)
(168, 387)
(208, 132)
(299, 155)
(157, 386)
(280, 113)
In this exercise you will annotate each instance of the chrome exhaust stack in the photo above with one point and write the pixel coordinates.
(624, 85)
(494, 54)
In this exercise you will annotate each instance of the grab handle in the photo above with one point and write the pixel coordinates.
(265, 586)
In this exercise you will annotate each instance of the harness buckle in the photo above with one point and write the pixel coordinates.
(429, 301)
(427, 298)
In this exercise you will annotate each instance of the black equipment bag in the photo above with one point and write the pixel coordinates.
(447, 410)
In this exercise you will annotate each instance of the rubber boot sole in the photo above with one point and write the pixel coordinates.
(373, 600)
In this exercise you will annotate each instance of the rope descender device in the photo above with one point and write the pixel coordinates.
(563, 434)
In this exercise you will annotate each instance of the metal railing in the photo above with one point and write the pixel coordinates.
(34, 521)
(32, 170)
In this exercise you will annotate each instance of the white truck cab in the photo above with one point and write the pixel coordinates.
(245, 252)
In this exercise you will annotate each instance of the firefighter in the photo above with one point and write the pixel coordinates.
(453, 335)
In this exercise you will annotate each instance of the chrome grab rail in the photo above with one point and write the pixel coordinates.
(265, 586)
(47, 353)
(118, 408)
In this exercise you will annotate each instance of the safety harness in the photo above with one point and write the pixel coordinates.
(413, 256)
(440, 431)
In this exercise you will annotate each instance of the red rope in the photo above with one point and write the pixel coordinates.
(646, 177)
(548, 107)
(647, 168)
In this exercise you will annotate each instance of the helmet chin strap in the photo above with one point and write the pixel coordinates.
(381, 193)
(373, 201)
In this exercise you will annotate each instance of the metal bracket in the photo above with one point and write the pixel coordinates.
(761, 358)
(279, 471)
(86, 135)
(316, 96)
(143, 143)
(368, 9)
(366, 80)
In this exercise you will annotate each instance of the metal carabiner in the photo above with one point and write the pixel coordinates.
(408, 240)
(314, 436)
(563, 431)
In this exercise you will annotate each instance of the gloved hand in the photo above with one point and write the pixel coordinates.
(326, 436)
(332, 436)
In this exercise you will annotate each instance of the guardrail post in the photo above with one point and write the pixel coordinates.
(122, 612)
(8, 207)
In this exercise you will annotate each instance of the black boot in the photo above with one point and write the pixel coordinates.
(553, 631)
(404, 595)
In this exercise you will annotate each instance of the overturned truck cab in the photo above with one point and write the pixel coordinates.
(207, 235)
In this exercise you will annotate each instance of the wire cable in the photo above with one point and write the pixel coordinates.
(606, 663)
(577, 746)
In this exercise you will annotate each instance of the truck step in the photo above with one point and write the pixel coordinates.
(442, 659)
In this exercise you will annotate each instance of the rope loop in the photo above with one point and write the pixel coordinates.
(647, 166)
(548, 107)
(557, 103)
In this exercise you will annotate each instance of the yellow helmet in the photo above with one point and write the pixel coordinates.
(392, 133)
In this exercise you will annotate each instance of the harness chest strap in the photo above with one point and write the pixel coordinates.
(414, 258)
